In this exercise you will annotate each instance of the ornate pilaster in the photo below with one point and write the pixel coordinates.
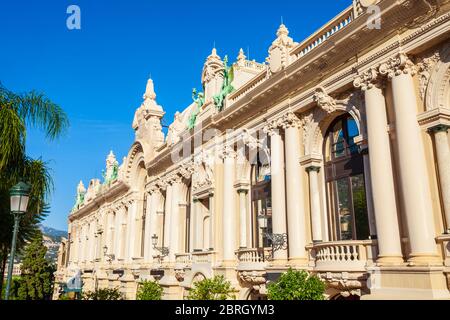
(440, 133)
(229, 218)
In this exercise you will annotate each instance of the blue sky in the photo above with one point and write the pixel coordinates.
(98, 74)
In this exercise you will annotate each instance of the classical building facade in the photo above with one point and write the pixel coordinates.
(332, 156)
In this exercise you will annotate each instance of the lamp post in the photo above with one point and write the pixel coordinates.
(163, 250)
(110, 256)
(19, 195)
(279, 241)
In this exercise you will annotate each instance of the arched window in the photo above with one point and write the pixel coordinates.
(261, 199)
(344, 174)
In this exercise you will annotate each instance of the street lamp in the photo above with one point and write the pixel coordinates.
(279, 241)
(19, 195)
(163, 250)
(110, 256)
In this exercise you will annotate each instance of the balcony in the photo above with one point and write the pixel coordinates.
(343, 255)
(255, 259)
(204, 257)
(183, 261)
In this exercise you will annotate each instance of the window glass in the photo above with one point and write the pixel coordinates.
(344, 210)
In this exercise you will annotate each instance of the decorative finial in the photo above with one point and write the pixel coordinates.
(282, 31)
(150, 90)
(81, 188)
(241, 56)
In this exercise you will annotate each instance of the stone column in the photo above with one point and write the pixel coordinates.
(294, 191)
(167, 217)
(211, 222)
(110, 232)
(174, 245)
(150, 222)
(440, 133)
(412, 164)
(279, 225)
(381, 173)
(314, 194)
(118, 234)
(131, 230)
(196, 226)
(243, 218)
(229, 214)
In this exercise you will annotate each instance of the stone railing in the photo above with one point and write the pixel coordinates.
(253, 83)
(343, 255)
(444, 241)
(335, 25)
(203, 257)
(252, 259)
(183, 260)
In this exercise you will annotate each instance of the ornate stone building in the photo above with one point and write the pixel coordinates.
(332, 156)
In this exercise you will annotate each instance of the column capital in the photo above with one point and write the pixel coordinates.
(290, 120)
(368, 80)
(439, 128)
(312, 168)
(227, 152)
(311, 160)
(398, 65)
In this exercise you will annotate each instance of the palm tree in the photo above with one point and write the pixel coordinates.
(17, 112)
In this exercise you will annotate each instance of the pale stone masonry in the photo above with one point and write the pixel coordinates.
(333, 156)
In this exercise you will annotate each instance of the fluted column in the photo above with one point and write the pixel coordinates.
(174, 246)
(242, 218)
(294, 191)
(381, 173)
(412, 164)
(441, 141)
(314, 194)
(279, 225)
(229, 214)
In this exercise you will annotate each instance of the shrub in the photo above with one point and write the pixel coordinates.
(103, 294)
(216, 288)
(149, 290)
(296, 285)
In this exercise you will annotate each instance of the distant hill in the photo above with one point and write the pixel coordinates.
(56, 235)
(52, 240)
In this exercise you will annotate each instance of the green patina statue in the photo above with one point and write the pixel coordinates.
(81, 191)
(111, 175)
(227, 87)
(199, 99)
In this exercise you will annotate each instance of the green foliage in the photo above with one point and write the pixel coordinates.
(216, 288)
(103, 294)
(17, 113)
(37, 272)
(296, 285)
(15, 284)
(64, 297)
(149, 290)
